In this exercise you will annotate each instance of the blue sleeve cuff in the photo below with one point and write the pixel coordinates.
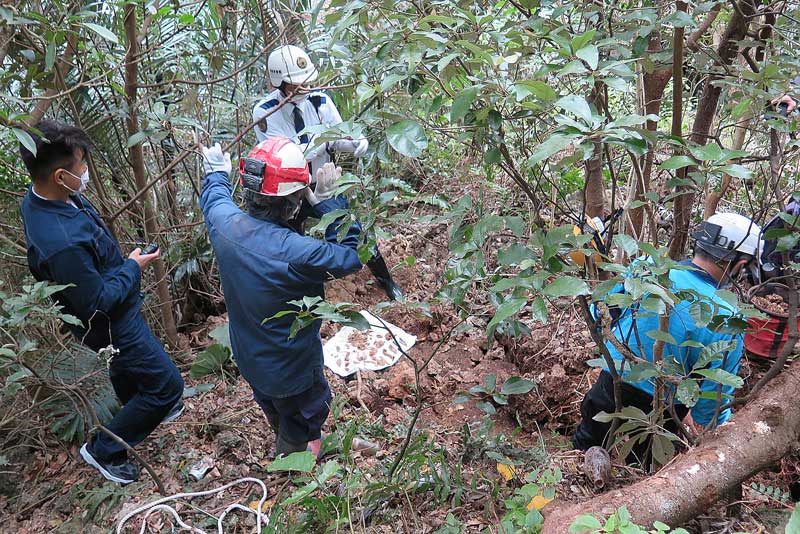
(334, 203)
(217, 176)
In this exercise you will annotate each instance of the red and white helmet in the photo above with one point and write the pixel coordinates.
(276, 167)
(292, 65)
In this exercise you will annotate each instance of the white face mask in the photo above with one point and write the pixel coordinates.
(299, 98)
(84, 178)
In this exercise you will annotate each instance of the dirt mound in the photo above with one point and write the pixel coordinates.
(554, 356)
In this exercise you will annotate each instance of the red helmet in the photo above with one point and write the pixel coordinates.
(276, 167)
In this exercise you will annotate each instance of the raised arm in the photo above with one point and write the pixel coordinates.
(216, 198)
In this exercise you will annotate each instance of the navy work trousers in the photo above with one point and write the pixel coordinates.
(147, 384)
(297, 419)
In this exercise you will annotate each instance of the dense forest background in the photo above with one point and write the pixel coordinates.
(495, 128)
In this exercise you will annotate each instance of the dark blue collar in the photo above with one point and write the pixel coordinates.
(55, 206)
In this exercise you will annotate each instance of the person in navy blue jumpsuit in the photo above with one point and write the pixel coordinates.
(68, 243)
(265, 262)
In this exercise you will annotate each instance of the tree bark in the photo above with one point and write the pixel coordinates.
(654, 84)
(137, 162)
(594, 189)
(704, 118)
(757, 436)
(62, 67)
(713, 198)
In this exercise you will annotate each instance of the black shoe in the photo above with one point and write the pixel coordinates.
(174, 413)
(120, 471)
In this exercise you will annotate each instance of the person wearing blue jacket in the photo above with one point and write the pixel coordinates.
(726, 244)
(68, 243)
(264, 263)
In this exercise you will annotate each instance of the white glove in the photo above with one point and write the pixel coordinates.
(361, 147)
(214, 160)
(326, 184)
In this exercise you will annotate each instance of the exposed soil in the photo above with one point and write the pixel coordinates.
(223, 425)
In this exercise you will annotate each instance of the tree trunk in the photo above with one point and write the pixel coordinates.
(759, 435)
(706, 111)
(654, 84)
(137, 162)
(594, 190)
(62, 67)
(713, 198)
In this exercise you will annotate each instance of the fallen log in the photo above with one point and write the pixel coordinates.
(756, 437)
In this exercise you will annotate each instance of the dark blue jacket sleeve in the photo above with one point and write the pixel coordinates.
(92, 292)
(334, 257)
(216, 199)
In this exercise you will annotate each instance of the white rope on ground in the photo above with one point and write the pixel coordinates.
(159, 505)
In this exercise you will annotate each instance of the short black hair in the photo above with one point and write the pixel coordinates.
(56, 144)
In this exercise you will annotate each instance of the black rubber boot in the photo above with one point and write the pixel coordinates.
(381, 273)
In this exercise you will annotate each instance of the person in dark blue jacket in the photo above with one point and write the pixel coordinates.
(68, 243)
(263, 264)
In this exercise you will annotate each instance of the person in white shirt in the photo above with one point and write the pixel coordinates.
(290, 73)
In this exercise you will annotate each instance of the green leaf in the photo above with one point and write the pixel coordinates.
(576, 105)
(628, 244)
(516, 386)
(709, 152)
(688, 392)
(539, 310)
(714, 351)
(486, 407)
(701, 313)
(679, 19)
(297, 461)
(590, 55)
(676, 162)
(506, 310)
(49, 56)
(25, 140)
(136, 139)
(793, 526)
(105, 33)
(222, 335)
(566, 286)
(585, 523)
(210, 361)
(551, 145)
(462, 102)
(355, 319)
(721, 376)
(407, 137)
(737, 171)
(539, 89)
(659, 335)
(514, 254)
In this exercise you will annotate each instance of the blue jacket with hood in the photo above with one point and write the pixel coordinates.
(264, 264)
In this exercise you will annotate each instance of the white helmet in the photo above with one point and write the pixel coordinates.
(292, 65)
(724, 234)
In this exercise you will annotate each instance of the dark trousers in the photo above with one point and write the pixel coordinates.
(147, 384)
(297, 419)
(600, 398)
